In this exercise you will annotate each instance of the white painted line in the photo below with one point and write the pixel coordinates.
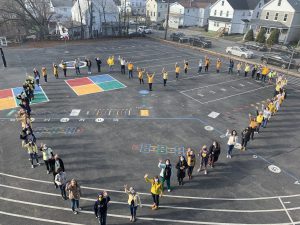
(14, 97)
(192, 98)
(222, 89)
(234, 88)
(37, 219)
(242, 85)
(287, 213)
(213, 115)
(201, 95)
(122, 216)
(88, 112)
(170, 196)
(213, 92)
(44, 93)
(75, 112)
(64, 120)
(211, 85)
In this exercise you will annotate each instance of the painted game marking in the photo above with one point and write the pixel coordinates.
(159, 149)
(75, 112)
(274, 169)
(213, 115)
(64, 120)
(99, 120)
(209, 128)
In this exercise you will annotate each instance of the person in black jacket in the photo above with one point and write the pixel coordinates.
(214, 153)
(246, 133)
(100, 207)
(181, 167)
(98, 62)
(56, 164)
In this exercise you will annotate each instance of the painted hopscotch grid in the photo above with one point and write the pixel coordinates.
(8, 97)
(94, 84)
(159, 149)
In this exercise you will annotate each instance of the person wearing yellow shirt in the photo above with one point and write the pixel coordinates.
(130, 70)
(134, 201)
(252, 126)
(238, 68)
(259, 119)
(207, 63)
(264, 72)
(186, 66)
(156, 190)
(247, 69)
(55, 70)
(272, 108)
(32, 151)
(165, 76)
(64, 67)
(177, 71)
(150, 80)
(44, 73)
(141, 75)
(218, 65)
(111, 62)
(277, 88)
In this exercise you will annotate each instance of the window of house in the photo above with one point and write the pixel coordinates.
(259, 5)
(249, 14)
(222, 3)
(227, 13)
(221, 13)
(158, 14)
(215, 13)
(267, 15)
(257, 14)
(285, 17)
(160, 6)
(279, 2)
(65, 9)
(188, 10)
(276, 17)
(243, 14)
(153, 13)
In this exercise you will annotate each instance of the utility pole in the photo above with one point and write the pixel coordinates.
(125, 16)
(3, 57)
(167, 20)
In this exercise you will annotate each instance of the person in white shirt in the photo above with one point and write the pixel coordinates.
(200, 66)
(232, 140)
(123, 64)
(61, 181)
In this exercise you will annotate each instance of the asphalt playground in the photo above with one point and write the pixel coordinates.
(110, 131)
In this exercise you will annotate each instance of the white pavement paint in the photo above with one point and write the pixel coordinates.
(287, 213)
(127, 217)
(274, 169)
(168, 196)
(75, 112)
(38, 219)
(213, 115)
(64, 120)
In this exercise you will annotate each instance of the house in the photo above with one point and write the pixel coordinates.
(283, 15)
(233, 16)
(189, 13)
(136, 7)
(156, 10)
(98, 16)
(61, 10)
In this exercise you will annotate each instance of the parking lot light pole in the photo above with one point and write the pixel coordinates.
(167, 20)
(3, 58)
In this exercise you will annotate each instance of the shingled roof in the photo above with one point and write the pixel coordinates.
(243, 4)
(196, 3)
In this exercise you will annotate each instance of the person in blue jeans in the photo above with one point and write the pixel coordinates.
(100, 207)
(165, 174)
(74, 195)
(133, 201)
(232, 140)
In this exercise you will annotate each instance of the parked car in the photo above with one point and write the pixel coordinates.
(255, 46)
(136, 34)
(184, 39)
(176, 36)
(281, 60)
(200, 42)
(239, 51)
(285, 49)
(144, 29)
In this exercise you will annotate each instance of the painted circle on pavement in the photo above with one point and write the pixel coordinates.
(64, 120)
(254, 156)
(99, 120)
(274, 169)
(144, 92)
(70, 64)
(209, 128)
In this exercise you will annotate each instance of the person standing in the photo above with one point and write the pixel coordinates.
(266, 115)
(238, 68)
(64, 67)
(207, 63)
(245, 138)
(134, 201)
(165, 174)
(231, 66)
(258, 73)
(218, 65)
(89, 65)
(191, 162)
(74, 192)
(141, 75)
(123, 64)
(150, 80)
(47, 156)
(44, 73)
(177, 71)
(252, 126)
(77, 67)
(156, 190)
(181, 166)
(204, 156)
(186, 66)
(130, 70)
(98, 62)
(32, 151)
(200, 66)
(61, 181)
(254, 70)
(57, 163)
(101, 206)
(264, 72)
(214, 153)
(259, 119)
(247, 69)
(165, 76)
(232, 140)
(37, 76)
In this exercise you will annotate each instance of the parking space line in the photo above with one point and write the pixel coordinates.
(287, 213)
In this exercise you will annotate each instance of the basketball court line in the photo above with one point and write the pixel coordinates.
(286, 211)
(139, 218)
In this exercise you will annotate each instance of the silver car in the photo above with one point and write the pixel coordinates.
(239, 51)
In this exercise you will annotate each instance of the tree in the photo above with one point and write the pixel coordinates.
(249, 35)
(81, 24)
(273, 38)
(261, 37)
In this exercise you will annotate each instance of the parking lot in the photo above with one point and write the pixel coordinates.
(113, 137)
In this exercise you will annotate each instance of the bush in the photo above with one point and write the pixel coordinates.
(273, 38)
(261, 37)
(249, 35)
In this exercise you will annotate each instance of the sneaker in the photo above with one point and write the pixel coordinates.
(48, 172)
(169, 190)
(205, 172)
(198, 170)
(38, 164)
(79, 209)
(229, 156)
(75, 212)
(32, 166)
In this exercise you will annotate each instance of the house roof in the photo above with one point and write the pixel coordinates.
(295, 4)
(220, 19)
(196, 3)
(62, 3)
(243, 4)
(268, 23)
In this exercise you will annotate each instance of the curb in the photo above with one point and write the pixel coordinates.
(295, 74)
